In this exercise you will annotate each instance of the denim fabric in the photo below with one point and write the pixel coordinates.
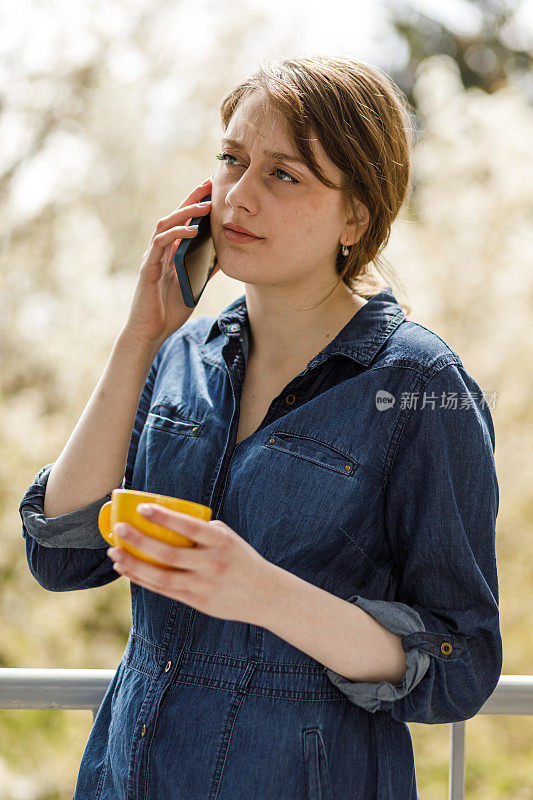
(390, 506)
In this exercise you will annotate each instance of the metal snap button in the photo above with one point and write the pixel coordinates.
(347, 467)
(446, 648)
(168, 665)
(194, 430)
(143, 731)
(271, 441)
(289, 399)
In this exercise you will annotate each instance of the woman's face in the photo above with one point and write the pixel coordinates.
(299, 220)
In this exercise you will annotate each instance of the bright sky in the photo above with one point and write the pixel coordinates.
(359, 26)
(339, 25)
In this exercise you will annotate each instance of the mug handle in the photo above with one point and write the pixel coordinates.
(104, 524)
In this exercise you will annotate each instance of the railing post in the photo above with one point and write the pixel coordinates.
(457, 761)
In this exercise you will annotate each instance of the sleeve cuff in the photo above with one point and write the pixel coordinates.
(403, 620)
(76, 529)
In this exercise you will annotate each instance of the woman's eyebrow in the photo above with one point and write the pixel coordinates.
(267, 153)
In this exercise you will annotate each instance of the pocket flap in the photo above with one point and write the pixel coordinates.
(313, 450)
(172, 420)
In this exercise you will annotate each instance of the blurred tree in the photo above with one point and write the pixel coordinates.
(488, 58)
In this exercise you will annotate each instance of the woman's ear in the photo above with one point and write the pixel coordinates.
(357, 225)
(363, 216)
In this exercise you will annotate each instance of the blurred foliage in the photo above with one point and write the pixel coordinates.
(95, 148)
(491, 58)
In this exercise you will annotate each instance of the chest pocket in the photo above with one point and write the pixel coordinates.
(294, 492)
(173, 420)
(314, 451)
(173, 452)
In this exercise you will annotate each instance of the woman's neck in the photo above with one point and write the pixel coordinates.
(292, 337)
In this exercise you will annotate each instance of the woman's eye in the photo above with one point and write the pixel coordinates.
(293, 180)
(225, 156)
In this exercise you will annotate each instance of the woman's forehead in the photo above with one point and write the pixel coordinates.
(254, 116)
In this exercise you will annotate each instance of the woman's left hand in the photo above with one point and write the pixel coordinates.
(222, 575)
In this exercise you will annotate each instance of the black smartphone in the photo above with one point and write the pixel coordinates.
(195, 259)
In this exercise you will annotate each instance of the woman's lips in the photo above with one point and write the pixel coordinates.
(241, 238)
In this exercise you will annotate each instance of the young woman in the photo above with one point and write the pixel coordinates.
(347, 582)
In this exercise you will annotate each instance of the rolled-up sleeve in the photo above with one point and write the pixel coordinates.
(68, 552)
(76, 529)
(441, 500)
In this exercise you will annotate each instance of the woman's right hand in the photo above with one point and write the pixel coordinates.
(158, 308)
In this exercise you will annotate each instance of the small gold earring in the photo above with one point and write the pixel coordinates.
(345, 250)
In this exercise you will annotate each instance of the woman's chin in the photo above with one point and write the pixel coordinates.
(247, 268)
(241, 269)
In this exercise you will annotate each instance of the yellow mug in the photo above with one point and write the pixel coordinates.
(123, 508)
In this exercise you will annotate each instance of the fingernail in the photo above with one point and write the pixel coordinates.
(191, 228)
(145, 510)
(120, 528)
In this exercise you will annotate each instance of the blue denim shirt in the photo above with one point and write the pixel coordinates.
(372, 476)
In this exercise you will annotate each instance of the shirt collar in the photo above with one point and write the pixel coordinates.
(361, 338)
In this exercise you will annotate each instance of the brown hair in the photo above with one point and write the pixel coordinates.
(361, 119)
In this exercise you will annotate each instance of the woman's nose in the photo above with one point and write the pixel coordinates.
(241, 196)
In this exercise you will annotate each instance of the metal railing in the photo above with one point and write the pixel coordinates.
(84, 689)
